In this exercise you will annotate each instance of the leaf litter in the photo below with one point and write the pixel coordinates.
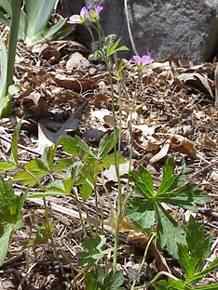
(59, 95)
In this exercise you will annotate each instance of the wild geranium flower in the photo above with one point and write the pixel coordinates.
(142, 60)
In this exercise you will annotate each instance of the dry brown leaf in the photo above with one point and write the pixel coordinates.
(183, 145)
(76, 85)
(197, 80)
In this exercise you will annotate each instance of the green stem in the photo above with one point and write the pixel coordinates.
(13, 36)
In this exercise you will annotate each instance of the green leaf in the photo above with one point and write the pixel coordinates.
(209, 269)
(26, 178)
(99, 280)
(91, 281)
(10, 204)
(62, 186)
(62, 165)
(141, 214)
(75, 146)
(109, 160)
(86, 188)
(4, 242)
(93, 250)
(38, 13)
(113, 281)
(171, 285)
(192, 256)
(7, 165)
(6, 6)
(48, 156)
(107, 144)
(144, 182)
(50, 32)
(169, 180)
(170, 233)
(33, 171)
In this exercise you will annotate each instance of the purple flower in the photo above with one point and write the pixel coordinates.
(98, 9)
(84, 12)
(142, 60)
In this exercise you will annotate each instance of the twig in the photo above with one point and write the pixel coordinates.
(216, 85)
(20, 146)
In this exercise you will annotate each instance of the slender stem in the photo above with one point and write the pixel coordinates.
(143, 260)
(118, 202)
(160, 274)
(80, 212)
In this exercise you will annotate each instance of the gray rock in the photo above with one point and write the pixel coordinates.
(182, 28)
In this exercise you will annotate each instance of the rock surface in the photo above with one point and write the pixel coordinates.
(182, 28)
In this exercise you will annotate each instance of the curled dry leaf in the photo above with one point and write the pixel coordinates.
(162, 153)
(198, 81)
(183, 145)
(76, 85)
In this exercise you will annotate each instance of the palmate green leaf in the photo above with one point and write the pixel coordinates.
(113, 45)
(192, 256)
(140, 213)
(169, 180)
(144, 182)
(170, 234)
(10, 215)
(186, 196)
